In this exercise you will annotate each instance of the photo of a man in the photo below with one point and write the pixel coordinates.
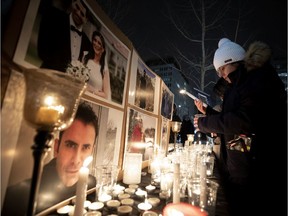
(60, 175)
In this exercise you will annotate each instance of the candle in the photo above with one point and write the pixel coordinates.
(94, 206)
(141, 193)
(123, 196)
(130, 190)
(47, 116)
(93, 213)
(176, 183)
(127, 201)
(132, 168)
(82, 187)
(50, 112)
(149, 213)
(144, 206)
(154, 201)
(134, 186)
(113, 203)
(104, 197)
(118, 187)
(124, 210)
(65, 209)
(150, 188)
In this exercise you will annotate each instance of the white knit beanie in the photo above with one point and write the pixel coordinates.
(227, 53)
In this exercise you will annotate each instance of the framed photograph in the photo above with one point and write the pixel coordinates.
(166, 102)
(49, 40)
(164, 141)
(141, 133)
(144, 86)
(108, 141)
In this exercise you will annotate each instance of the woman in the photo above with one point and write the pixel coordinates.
(99, 81)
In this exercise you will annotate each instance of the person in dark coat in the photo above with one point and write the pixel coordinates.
(60, 37)
(256, 92)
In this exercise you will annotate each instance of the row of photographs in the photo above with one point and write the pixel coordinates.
(137, 110)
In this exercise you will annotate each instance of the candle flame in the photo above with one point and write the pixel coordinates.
(87, 161)
(182, 91)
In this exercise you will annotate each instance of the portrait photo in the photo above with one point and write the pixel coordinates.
(141, 133)
(68, 36)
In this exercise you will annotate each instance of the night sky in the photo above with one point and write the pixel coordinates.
(147, 25)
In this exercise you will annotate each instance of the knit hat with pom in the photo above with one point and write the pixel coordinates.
(227, 53)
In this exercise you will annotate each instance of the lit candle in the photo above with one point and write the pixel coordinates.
(141, 193)
(124, 210)
(154, 201)
(94, 206)
(104, 197)
(132, 168)
(144, 205)
(127, 201)
(65, 209)
(130, 190)
(150, 188)
(123, 196)
(49, 113)
(176, 183)
(47, 116)
(82, 187)
(113, 203)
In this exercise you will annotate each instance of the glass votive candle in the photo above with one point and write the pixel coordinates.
(149, 213)
(130, 190)
(134, 186)
(115, 193)
(123, 196)
(93, 213)
(94, 206)
(113, 204)
(124, 210)
(150, 188)
(104, 198)
(71, 212)
(144, 206)
(127, 201)
(141, 193)
(64, 210)
(154, 201)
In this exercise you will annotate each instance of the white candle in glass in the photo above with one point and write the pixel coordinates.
(81, 188)
(132, 168)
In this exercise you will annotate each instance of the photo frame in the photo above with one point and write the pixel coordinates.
(167, 101)
(144, 85)
(31, 53)
(141, 133)
(108, 144)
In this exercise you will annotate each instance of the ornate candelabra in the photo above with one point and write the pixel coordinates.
(176, 126)
(51, 102)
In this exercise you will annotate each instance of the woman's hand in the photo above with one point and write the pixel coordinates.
(200, 106)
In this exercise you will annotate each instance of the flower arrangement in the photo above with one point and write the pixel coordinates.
(78, 70)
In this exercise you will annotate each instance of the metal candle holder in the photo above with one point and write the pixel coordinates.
(50, 105)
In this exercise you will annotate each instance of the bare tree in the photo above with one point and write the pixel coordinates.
(202, 22)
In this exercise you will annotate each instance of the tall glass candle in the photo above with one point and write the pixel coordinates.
(132, 168)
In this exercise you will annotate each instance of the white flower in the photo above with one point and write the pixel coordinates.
(78, 70)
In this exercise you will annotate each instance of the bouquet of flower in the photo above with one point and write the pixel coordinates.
(78, 70)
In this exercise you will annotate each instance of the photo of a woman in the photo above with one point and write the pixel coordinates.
(99, 81)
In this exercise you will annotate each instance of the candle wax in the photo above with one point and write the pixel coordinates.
(81, 190)
(47, 116)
